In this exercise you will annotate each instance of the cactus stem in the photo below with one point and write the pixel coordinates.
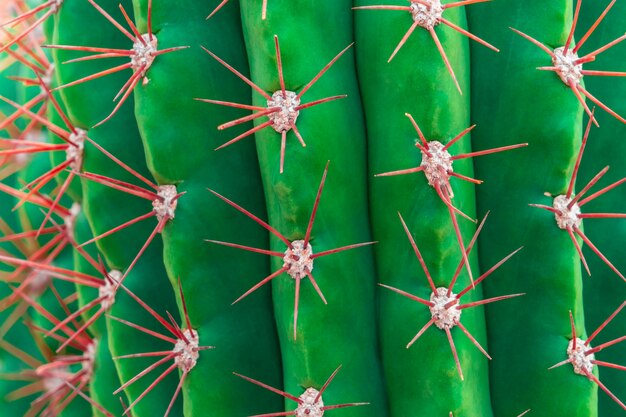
(310, 403)
(444, 305)
(567, 212)
(142, 55)
(52, 6)
(283, 106)
(569, 67)
(582, 356)
(185, 352)
(298, 257)
(428, 14)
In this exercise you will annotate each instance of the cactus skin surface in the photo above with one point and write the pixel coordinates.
(359, 208)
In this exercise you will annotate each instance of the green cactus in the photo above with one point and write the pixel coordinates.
(156, 260)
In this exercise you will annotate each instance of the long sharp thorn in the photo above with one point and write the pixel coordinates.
(320, 101)
(341, 249)
(238, 74)
(489, 271)
(403, 41)
(295, 308)
(323, 71)
(298, 135)
(264, 10)
(570, 36)
(176, 392)
(279, 63)
(590, 184)
(123, 165)
(24, 16)
(156, 230)
(599, 193)
(149, 309)
(573, 326)
(25, 32)
(283, 146)
(144, 355)
(418, 254)
(600, 104)
(411, 296)
(219, 6)
(572, 182)
(269, 388)
(604, 73)
(151, 387)
(605, 345)
(82, 329)
(132, 26)
(401, 172)
(231, 104)
(465, 178)
(326, 384)
(442, 52)
(454, 353)
(597, 252)
(120, 227)
(459, 136)
(473, 340)
(462, 3)
(593, 27)
(604, 388)
(245, 134)
(136, 78)
(144, 330)
(534, 41)
(182, 298)
(605, 47)
(253, 217)
(459, 238)
(605, 323)
(579, 250)
(261, 283)
(113, 21)
(402, 8)
(307, 236)
(609, 365)
(336, 406)
(488, 300)
(150, 36)
(489, 151)
(468, 34)
(245, 119)
(90, 400)
(94, 76)
(317, 288)
(248, 248)
(468, 250)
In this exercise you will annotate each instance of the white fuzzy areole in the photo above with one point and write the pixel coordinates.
(566, 68)
(298, 259)
(444, 318)
(580, 360)
(438, 165)
(143, 55)
(566, 218)
(75, 149)
(89, 359)
(427, 16)
(70, 220)
(56, 5)
(187, 353)
(283, 119)
(108, 291)
(309, 407)
(166, 205)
